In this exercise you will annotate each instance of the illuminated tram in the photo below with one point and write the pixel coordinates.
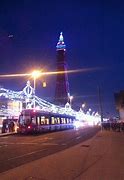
(36, 121)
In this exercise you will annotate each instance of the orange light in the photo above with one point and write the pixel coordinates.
(44, 84)
(36, 74)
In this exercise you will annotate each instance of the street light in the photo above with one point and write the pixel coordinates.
(71, 98)
(35, 74)
(90, 111)
(83, 105)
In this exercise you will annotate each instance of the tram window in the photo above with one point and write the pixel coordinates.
(46, 121)
(33, 120)
(67, 120)
(52, 120)
(27, 120)
(62, 120)
(21, 120)
(55, 120)
(38, 120)
(42, 119)
(58, 120)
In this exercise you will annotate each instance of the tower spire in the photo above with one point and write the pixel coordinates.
(61, 45)
(61, 39)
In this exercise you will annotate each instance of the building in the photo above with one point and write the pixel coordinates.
(62, 85)
(9, 109)
(119, 101)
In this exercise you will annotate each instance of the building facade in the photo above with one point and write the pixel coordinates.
(119, 101)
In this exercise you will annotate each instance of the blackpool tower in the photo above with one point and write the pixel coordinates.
(62, 84)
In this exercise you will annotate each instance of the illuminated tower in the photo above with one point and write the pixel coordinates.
(62, 84)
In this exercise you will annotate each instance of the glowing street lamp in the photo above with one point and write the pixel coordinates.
(35, 74)
(90, 111)
(71, 98)
(83, 105)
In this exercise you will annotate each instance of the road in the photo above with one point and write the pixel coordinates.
(16, 150)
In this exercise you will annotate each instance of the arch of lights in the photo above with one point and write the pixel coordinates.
(28, 97)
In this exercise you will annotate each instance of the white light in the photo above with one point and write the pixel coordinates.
(83, 105)
(36, 74)
(78, 124)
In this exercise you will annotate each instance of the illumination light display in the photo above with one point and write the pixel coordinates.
(27, 96)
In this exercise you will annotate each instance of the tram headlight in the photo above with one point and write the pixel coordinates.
(78, 124)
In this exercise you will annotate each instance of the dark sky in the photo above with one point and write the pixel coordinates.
(93, 34)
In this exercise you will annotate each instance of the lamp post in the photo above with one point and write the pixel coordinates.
(90, 111)
(83, 106)
(71, 98)
(100, 106)
(35, 75)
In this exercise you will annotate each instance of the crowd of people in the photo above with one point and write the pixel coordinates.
(8, 126)
(113, 125)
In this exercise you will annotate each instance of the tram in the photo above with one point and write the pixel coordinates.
(37, 121)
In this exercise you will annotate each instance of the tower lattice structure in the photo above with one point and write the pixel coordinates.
(62, 85)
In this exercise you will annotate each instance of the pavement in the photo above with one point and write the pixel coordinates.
(7, 134)
(99, 158)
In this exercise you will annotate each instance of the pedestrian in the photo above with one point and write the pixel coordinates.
(4, 126)
(12, 126)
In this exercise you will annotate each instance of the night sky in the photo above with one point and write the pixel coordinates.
(94, 37)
